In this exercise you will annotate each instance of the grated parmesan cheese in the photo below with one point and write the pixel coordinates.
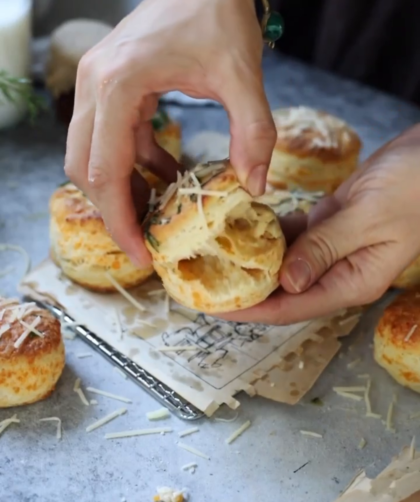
(84, 355)
(138, 432)
(389, 416)
(367, 397)
(188, 432)
(76, 384)
(106, 419)
(82, 396)
(152, 199)
(192, 450)
(4, 329)
(189, 466)
(410, 333)
(354, 363)
(362, 444)
(350, 389)
(160, 414)
(238, 432)
(77, 389)
(348, 395)
(108, 394)
(233, 419)
(349, 319)
(59, 426)
(311, 434)
(373, 415)
(124, 293)
(27, 332)
(156, 292)
(413, 448)
(4, 424)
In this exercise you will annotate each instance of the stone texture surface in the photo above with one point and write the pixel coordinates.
(35, 467)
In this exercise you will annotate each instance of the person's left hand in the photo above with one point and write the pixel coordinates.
(354, 242)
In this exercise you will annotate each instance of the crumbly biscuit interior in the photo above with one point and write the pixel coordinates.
(236, 253)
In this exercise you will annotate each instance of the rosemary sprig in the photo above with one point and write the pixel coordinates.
(11, 88)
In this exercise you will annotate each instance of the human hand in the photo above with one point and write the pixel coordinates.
(206, 49)
(355, 242)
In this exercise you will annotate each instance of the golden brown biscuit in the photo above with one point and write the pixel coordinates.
(314, 151)
(397, 339)
(82, 247)
(169, 137)
(410, 278)
(215, 248)
(30, 365)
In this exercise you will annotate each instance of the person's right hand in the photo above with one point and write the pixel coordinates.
(206, 49)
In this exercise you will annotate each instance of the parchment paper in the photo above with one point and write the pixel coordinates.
(281, 363)
(399, 482)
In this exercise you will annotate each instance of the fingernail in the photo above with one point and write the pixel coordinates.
(299, 275)
(257, 180)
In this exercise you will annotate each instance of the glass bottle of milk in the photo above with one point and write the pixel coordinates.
(15, 37)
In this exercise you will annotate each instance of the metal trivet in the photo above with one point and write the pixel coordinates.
(161, 392)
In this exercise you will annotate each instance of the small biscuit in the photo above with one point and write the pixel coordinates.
(69, 43)
(397, 340)
(410, 278)
(29, 367)
(314, 151)
(82, 247)
(215, 248)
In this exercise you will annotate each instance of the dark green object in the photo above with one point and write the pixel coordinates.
(152, 240)
(11, 87)
(317, 402)
(160, 120)
(274, 28)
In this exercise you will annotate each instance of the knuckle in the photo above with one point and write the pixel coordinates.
(71, 171)
(86, 65)
(98, 178)
(322, 250)
(263, 130)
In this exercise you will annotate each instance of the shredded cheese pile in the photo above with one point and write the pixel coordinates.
(11, 311)
(326, 129)
(191, 184)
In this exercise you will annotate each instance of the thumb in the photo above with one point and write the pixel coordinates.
(252, 130)
(325, 243)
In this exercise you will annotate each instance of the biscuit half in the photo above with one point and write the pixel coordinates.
(215, 247)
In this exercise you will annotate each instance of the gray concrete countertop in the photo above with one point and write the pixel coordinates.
(261, 465)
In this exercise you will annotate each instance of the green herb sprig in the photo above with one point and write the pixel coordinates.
(12, 88)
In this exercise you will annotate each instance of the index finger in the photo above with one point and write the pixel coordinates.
(111, 164)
